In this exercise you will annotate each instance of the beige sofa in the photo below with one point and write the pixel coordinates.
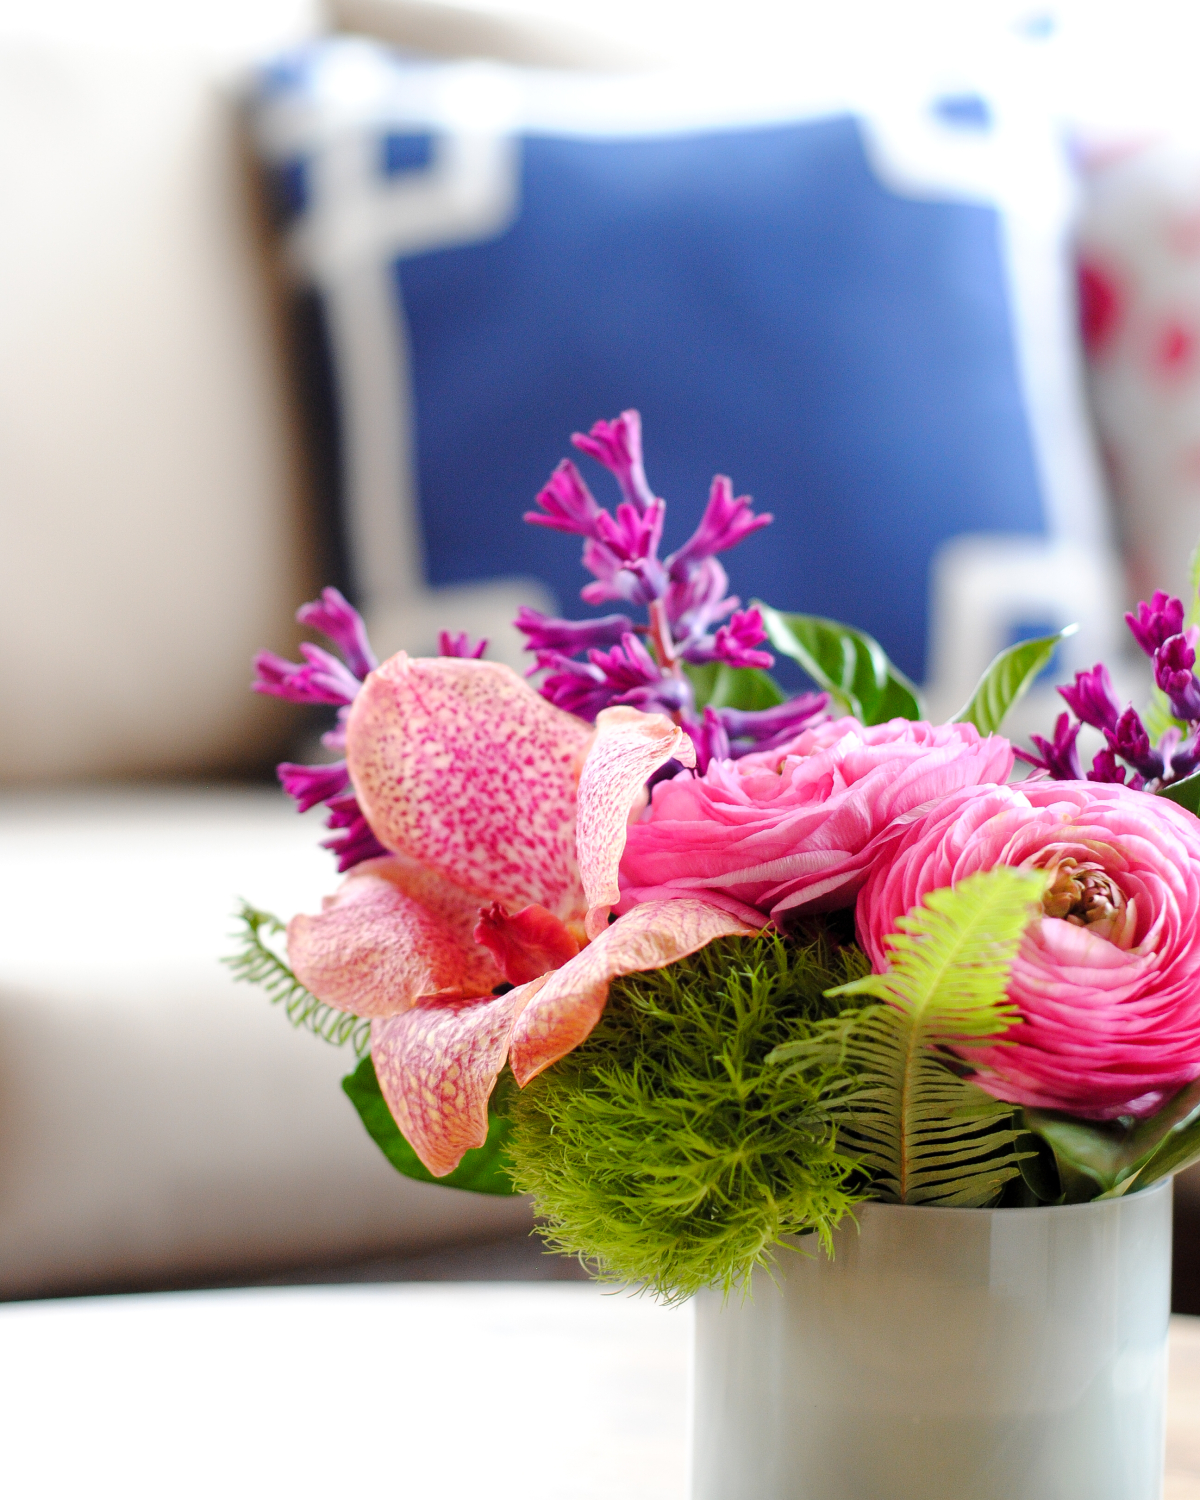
(158, 1123)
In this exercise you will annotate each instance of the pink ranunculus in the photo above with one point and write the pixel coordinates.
(1107, 981)
(798, 826)
(503, 819)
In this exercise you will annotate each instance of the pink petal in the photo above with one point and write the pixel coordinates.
(527, 944)
(463, 766)
(392, 933)
(629, 747)
(437, 1065)
(572, 999)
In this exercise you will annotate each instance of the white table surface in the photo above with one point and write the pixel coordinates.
(543, 1392)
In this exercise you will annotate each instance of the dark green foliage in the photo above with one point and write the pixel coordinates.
(718, 685)
(665, 1150)
(850, 665)
(1007, 679)
(483, 1171)
(258, 963)
(1105, 1159)
(1185, 792)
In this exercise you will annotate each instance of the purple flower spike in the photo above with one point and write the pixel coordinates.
(356, 842)
(623, 556)
(725, 523)
(711, 740)
(618, 446)
(635, 534)
(570, 636)
(698, 601)
(577, 687)
(568, 503)
(771, 728)
(342, 623)
(459, 643)
(309, 785)
(1092, 698)
(627, 666)
(1173, 663)
(1061, 756)
(1156, 622)
(322, 679)
(734, 642)
(1105, 768)
(1181, 757)
(1131, 742)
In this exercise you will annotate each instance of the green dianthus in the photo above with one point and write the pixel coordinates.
(664, 1150)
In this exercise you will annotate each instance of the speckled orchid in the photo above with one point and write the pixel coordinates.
(481, 933)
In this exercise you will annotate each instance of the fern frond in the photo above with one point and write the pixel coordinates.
(258, 963)
(921, 1131)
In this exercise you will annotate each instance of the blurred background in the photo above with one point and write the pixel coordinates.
(298, 294)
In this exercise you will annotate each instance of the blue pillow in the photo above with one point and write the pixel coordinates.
(824, 305)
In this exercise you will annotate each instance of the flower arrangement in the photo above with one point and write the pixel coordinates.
(701, 965)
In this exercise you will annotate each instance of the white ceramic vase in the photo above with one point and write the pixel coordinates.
(945, 1354)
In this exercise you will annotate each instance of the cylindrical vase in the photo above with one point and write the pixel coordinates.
(944, 1354)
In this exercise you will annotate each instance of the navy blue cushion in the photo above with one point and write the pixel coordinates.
(776, 312)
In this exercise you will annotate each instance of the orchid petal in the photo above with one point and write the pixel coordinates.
(525, 945)
(437, 1065)
(462, 766)
(392, 934)
(566, 1007)
(629, 747)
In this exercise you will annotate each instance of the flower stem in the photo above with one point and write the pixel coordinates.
(660, 635)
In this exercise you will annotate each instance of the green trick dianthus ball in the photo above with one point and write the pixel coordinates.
(666, 1150)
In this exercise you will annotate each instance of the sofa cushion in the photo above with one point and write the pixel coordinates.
(160, 1124)
(857, 305)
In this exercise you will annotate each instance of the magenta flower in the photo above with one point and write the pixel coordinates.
(627, 664)
(324, 679)
(1156, 622)
(1060, 756)
(459, 643)
(567, 503)
(342, 623)
(725, 523)
(1092, 698)
(798, 827)
(1106, 768)
(618, 446)
(504, 820)
(570, 636)
(1173, 663)
(1107, 981)
(734, 643)
(308, 785)
(321, 678)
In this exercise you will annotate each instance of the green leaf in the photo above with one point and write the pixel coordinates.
(481, 1171)
(1007, 679)
(1039, 1171)
(745, 688)
(258, 963)
(1185, 792)
(1179, 1150)
(923, 1132)
(1108, 1158)
(848, 664)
